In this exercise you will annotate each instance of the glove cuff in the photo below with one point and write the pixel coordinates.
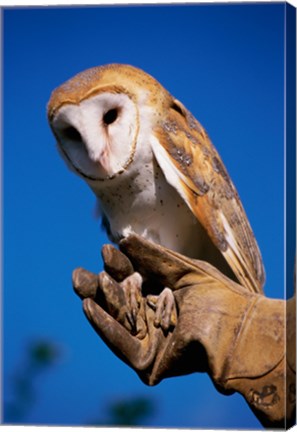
(258, 365)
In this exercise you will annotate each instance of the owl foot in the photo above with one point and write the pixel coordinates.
(164, 306)
(132, 290)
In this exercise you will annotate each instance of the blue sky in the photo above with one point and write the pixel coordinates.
(225, 63)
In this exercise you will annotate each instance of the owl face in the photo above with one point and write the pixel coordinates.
(97, 137)
(101, 115)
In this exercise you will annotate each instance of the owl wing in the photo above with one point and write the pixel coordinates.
(193, 167)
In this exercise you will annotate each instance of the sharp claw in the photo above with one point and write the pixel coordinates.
(134, 313)
(152, 301)
(132, 289)
(134, 302)
(131, 320)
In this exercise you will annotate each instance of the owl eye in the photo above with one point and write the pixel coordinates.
(110, 116)
(71, 133)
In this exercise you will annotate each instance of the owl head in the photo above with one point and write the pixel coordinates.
(99, 116)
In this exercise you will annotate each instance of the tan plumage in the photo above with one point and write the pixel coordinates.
(210, 193)
(163, 134)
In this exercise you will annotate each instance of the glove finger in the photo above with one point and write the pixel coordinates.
(112, 297)
(84, 283)
(118, 339)
(156, 262)
(170, 268)
(116, 264)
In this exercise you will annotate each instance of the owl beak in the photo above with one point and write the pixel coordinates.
(105, 161)
(97, 148)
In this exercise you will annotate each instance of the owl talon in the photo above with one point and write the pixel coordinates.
(164, 306)
(130, 320)
(132, 290)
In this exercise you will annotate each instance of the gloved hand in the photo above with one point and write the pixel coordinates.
(219, 327)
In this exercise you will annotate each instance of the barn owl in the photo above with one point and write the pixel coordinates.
(153, 168)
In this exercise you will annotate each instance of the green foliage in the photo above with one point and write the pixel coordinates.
(39, 357)
(43, 354)
(128, 412)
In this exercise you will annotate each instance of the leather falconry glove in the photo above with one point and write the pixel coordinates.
(242, 340)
